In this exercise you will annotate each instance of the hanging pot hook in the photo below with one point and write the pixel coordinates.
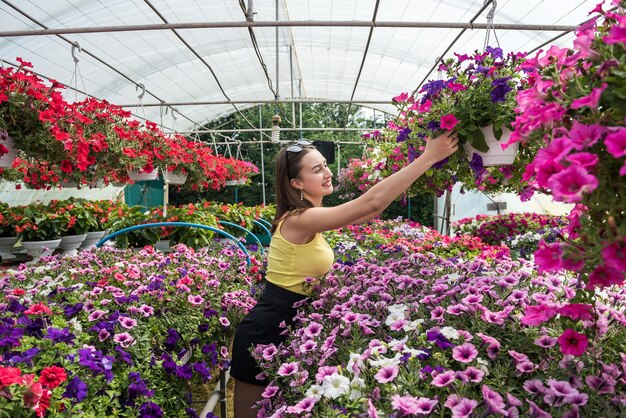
(143, 90)
(75, 45)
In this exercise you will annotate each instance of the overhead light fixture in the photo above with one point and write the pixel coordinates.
(276, 128)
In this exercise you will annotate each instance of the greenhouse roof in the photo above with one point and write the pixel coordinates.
(206, 59)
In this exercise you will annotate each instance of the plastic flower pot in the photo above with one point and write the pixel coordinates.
(36, 249)
(136, 175)
(91, 239)
(174, 178)
(70, 244)
(496, 155)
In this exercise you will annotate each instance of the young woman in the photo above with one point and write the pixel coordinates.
(298, 250)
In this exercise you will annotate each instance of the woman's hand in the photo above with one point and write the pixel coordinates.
(441, 147)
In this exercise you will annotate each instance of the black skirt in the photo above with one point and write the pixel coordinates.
(261, 326)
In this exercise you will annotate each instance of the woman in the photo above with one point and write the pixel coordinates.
(299, 251)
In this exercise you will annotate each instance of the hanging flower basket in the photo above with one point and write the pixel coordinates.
(6, 159)
(496, 155)
(136, 175)
(174, 178)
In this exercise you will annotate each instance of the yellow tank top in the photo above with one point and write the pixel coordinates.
(289, 264)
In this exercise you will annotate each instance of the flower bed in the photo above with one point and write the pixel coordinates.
(117, 333)
(519, 231)
(423, 335)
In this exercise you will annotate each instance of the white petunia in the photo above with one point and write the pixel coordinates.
(335, 385)
(450, 333)
(315, 391)
(385, 361)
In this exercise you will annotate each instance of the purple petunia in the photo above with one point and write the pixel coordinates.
(76, 389)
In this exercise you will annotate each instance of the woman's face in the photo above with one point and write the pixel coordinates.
(315, 178)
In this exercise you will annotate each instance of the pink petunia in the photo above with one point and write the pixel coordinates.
(586, 160)
(545, 341)
(569, 184)
(448, 121)
(616, 142)
(604, 276)
(577, 311)
(584, 136)
(409, 405)
(464, 408)
(444, 379)
(387, 374)
(572, 342)
(287, 369)
(591, 101)
(537, 315)
(464, 353)
(494, 401)
(548, 257)
(614, 255)
(270, 391)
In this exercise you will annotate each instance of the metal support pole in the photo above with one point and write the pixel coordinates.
(277, 60)
(293, 105)
(223, 393)
(262, 155)
(166, 197)
(300, 95)
(338, 159)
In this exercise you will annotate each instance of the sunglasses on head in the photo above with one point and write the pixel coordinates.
(295, 148)
(298, 146)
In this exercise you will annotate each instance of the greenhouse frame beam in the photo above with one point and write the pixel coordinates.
(297, 23)
(259, 101)
(367, 47)
(84, 51)
(215, 131)
(439, 58)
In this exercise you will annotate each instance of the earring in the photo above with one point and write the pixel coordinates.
(301, 195)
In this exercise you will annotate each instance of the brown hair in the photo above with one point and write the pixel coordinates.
(287, 197)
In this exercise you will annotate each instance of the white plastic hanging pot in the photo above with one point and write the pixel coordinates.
(174, 178)
(136, 175)
(6, 160)
(496, 155)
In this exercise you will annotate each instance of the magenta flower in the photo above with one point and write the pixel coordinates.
(577, 311)
(448, 121)
(604, 276)
(537, 315)
(570, 184)
(591, 101)
(616, 142)
(548, 257)
(617, 33)
(586, 160)
(573, 343)
(464, 353)
(387, 374)
(614, 255)
(584, 136)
